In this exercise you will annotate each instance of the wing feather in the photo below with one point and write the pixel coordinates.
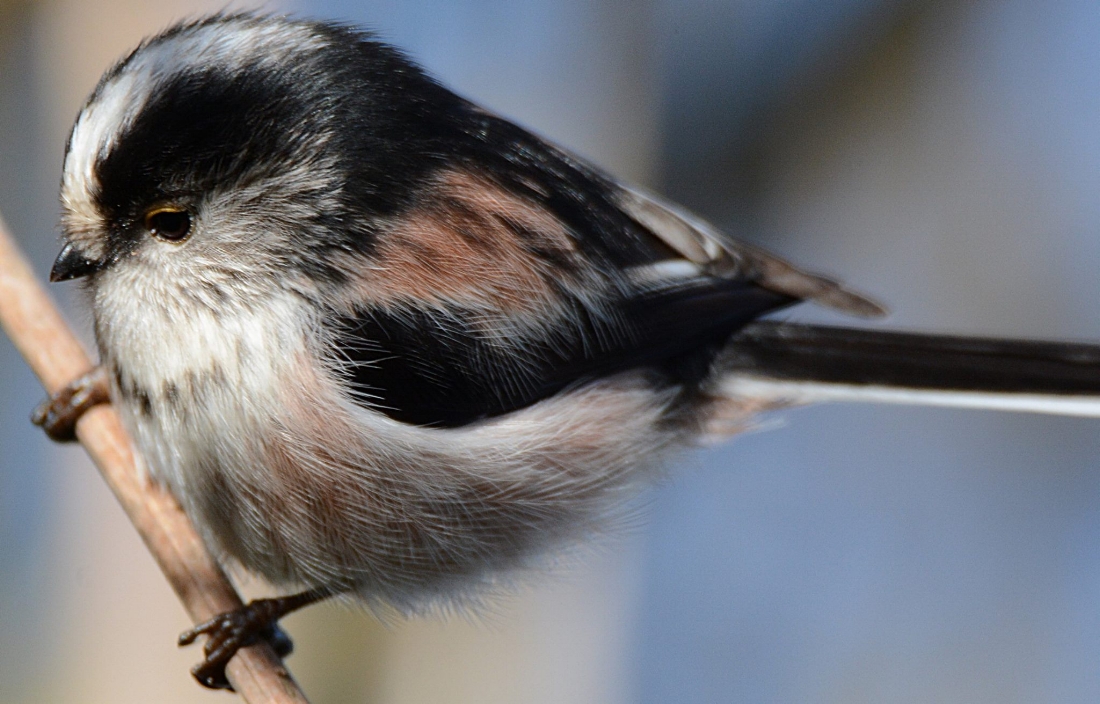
(715, 254)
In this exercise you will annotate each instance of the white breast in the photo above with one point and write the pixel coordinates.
(209, 376)
(283, 471)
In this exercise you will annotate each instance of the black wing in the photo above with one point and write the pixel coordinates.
(628, 283)
(440, 369)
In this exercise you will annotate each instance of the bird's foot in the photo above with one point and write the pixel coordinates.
(229, 632)
(58, 414)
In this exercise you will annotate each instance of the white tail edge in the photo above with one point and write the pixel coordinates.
(784, 392)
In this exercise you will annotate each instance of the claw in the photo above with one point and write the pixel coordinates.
(229, 632)
(191, 635)
(211, 676)
(58, 414)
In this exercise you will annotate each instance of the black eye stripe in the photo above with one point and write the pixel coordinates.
(168, 224)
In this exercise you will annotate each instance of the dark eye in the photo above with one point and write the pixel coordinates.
(168, 223)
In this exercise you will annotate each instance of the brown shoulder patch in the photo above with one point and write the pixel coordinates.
(470, 241)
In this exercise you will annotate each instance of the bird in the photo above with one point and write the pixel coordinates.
(386, 345)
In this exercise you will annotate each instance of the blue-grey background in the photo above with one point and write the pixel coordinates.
(943, 155)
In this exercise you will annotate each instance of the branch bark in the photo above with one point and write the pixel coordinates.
(48, 345)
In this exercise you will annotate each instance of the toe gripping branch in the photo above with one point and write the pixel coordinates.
(226, 633)
(35, 326)
(229, 632)
(58, 414)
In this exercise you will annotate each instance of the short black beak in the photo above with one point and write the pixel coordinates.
(72, 264)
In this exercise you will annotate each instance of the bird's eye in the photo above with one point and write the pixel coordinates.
(169, 223)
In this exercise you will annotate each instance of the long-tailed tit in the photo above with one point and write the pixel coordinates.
(380, 342)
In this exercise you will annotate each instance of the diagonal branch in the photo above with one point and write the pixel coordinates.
(54, 354)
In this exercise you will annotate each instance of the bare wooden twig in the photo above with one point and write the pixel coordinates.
(36, 327)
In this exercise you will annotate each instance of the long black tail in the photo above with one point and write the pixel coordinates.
(785, 363)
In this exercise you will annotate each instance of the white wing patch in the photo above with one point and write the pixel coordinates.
(665, 272)
(714, 254)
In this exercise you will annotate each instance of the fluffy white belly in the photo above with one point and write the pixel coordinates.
(284, 473)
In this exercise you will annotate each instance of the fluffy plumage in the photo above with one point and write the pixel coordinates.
(387, 343)
(406, 343)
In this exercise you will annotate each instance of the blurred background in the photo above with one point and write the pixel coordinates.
(943, 155)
